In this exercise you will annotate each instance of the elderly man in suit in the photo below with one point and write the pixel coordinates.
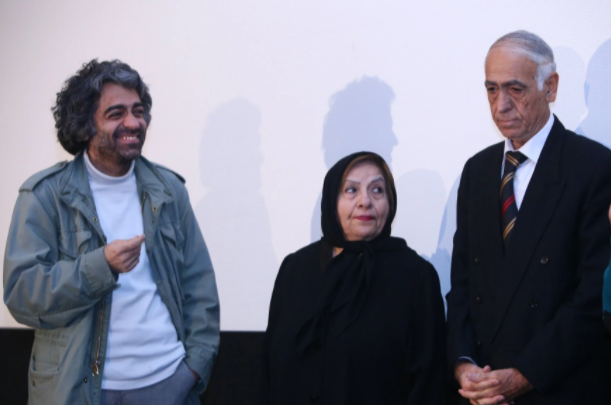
(531, 246)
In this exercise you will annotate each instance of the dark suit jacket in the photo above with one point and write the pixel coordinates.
(538, 306)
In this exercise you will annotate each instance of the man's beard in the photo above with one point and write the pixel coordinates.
(108, 149)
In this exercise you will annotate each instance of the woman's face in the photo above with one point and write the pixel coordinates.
(362, 205)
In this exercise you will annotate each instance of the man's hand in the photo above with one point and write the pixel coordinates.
(123, 255)
(509, 384)
(195, 375)
(471, 379)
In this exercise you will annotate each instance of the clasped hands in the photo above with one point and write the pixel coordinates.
(482, 386)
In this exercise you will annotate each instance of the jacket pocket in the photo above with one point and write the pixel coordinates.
(41, 380)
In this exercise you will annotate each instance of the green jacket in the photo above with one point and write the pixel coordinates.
(57, 279)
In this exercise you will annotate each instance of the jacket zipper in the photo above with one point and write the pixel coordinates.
(95, 366)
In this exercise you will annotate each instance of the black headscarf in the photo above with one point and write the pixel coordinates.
(347, 276)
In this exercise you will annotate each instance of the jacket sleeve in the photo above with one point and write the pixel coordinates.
(430, 372)
(40, 290)
(201, 312)
(576, 332)
(461, 340)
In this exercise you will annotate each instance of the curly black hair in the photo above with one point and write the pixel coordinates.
(78, 100)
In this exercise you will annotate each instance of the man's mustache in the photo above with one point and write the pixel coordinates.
(140, 132)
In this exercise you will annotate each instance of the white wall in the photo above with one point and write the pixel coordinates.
(241, 90)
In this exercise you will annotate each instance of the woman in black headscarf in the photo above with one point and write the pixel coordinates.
(357, 317)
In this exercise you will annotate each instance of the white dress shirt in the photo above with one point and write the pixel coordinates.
(532, 150)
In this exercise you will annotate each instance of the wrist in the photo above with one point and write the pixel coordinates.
(460, 366)
(523, 381)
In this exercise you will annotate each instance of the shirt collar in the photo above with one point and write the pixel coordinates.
(532, 149)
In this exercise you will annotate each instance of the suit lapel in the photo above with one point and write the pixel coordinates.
(542, 195)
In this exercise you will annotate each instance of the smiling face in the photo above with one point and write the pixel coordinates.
(518, 107)
(121, 130)
(362, 204)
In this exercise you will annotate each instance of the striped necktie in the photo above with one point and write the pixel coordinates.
(509, 208)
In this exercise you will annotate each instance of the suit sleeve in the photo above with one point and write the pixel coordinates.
(461, 340)
(576, 332)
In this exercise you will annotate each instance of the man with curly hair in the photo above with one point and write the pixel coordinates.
(106, 261)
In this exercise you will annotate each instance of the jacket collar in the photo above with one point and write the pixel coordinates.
(152, 182)
(75, 191)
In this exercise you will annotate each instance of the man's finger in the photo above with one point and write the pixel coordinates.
(499, 399)
(129, 254)
(126, 264)
(133, 243)
(133, 265)
(119, 247)
(130, 247)
(475, 377)
(132, 262)
(479, 396)
(481, 386)
(482, 375)
(126, 258)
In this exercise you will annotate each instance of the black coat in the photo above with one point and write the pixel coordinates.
(538, 307)
(393, 353)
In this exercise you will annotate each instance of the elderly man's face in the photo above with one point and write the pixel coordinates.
(121, 130)
(518, 107)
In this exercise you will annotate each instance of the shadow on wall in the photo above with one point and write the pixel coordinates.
(442, 257)
(597, 91)
(359, 119)
(233, 215)
(569, 105)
